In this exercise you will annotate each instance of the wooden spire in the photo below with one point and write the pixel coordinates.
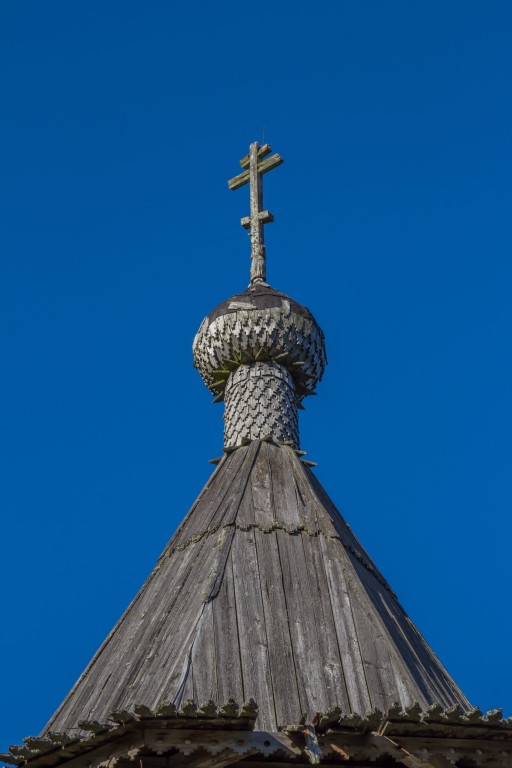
(255, 166)
(265, 593)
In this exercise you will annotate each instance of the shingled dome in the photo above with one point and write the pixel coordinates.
(258, 296)
(258, 325)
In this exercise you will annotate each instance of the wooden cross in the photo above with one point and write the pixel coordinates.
(255, 166)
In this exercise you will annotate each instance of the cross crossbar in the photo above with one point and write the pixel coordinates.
(266, 165)
(263, 151)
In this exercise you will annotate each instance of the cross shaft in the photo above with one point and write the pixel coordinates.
(256, 166)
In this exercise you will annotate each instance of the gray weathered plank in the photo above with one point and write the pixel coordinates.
(227, 649)
(201, 684)
(302, 620)
(324, 622)
(415, 665)
(211, 508)
(346, 632)
(254, 652)
(261, 484)
(263, 167)
(286, 511)
(282, 663)
(226, 512)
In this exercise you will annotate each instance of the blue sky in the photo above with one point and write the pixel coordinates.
(121, 123)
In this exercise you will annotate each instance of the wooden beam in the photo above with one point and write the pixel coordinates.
(243, 743)
(263, 151)
(265, 217)
(266, 165)
(271, 162)
(92, 757)
(227, 757)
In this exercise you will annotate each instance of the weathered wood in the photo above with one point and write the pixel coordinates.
(209, 511)
(201, 682)
(180, 630)
(414, 657)
(368, 634)
(227, 648)
(8, 758)
(224, 758)
(265, 217)
(227, 512)
(295, 615)
(20, 752)
(336, 688)
(261, 487)
(287, 510)
(97, 754)
(263, 151)
(353, 668)
(143, 712)
(121, 717)
(260, 404)
(93, 726)
(256, 166)
(303, 625)
(280, 647)
(188, 741)
(254, 651)
(247, 326)
(312, 512)
(263, 167)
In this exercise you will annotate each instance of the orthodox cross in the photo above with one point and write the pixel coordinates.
(255, 166)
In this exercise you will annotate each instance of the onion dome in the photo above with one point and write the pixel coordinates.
(260, 325)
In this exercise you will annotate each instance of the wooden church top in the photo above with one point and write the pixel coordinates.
(265, 597)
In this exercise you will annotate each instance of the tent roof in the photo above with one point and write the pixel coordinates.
(264, 593)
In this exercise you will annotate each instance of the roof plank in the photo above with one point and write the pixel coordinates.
(254, 646)
(280, 648)
(300, 602)
(330, 656)
(227, 649)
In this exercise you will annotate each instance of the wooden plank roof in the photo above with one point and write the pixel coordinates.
(264, 593)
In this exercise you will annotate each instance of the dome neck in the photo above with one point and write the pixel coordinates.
(260, 402)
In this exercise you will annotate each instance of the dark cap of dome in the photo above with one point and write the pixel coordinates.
(258, 296)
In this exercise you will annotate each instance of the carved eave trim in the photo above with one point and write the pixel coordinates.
(211, 737)
(435, 721)
(55, 748)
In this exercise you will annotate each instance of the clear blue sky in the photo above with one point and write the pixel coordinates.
(121, 123)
